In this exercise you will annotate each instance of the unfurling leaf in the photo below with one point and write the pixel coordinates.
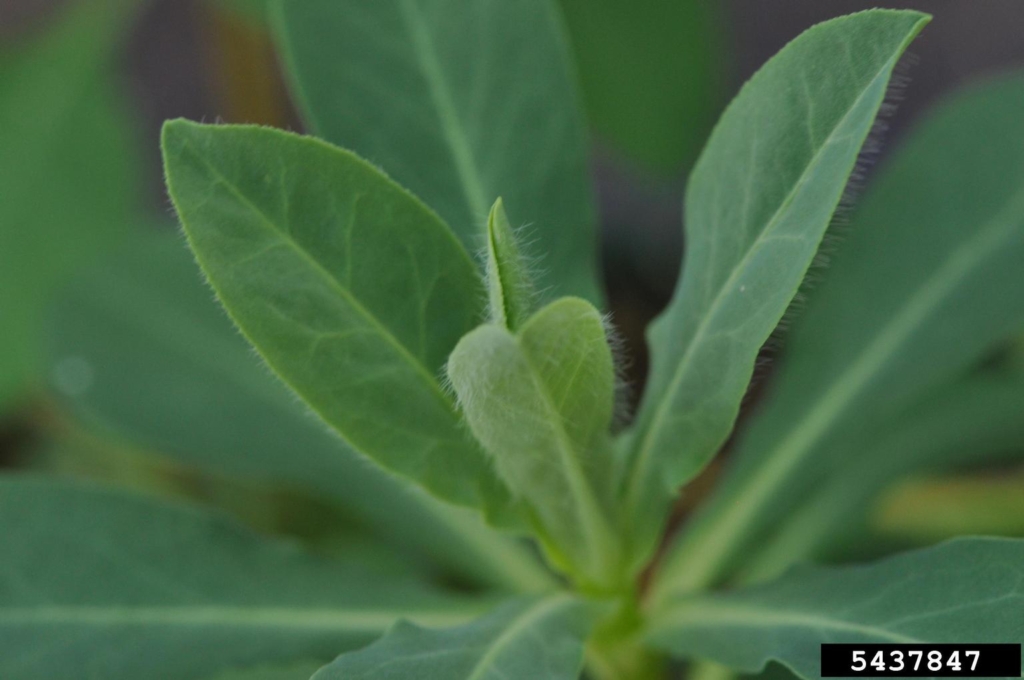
(509, 288)
(541, 403)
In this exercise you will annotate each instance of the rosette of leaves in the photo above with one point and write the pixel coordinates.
(489, 385)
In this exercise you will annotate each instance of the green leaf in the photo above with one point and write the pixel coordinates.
(919, 294)
(105, 584)
(971, 422)
(509, 287)
(929, 510)
(541, 404)
(651, 74)
(461, 101)
(300, 671)
(757, 205)
(67, 170)
(138, 346)
(964, 590)
(536, 639)
(351, 289)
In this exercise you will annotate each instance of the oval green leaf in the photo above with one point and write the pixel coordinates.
(351, 289)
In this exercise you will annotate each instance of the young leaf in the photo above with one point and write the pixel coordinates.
(189, 594)
(541, 404)
(918, 295)
(67, 169)
(537, 639)
(351, 289)
(757, 205)
(460, 101)
(968, 589)
(139, 346)
(509, 288)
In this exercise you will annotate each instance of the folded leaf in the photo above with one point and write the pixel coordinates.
(967, 590)
(67, 169)
(535, 639)
(139, 346)
(86, 571)
(461, 101)
(925, 287)
(350, 288)
(541, 404)
(757, 205)
(509, 286)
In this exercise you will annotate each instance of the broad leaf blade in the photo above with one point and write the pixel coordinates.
(349, 287)
(651, 74)
(541, 404)
(138, 346)
(972, 422)
(968, 590)
(461, 101)
(757, 205)
(536, 639)
(107, 584)
(67, 172)
(925, 286)
(300, 671)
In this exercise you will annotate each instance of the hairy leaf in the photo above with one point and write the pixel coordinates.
(67, 170)
(187, 594)
(924, 288)
(541, 403)
(965, 590)
(461, 101)
(757, 205)
(139, 346)
(351, 289)
(509, 288)
(537, 639)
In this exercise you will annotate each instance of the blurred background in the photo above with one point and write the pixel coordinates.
(86, 85)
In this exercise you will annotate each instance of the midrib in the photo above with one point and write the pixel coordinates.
(703, 614)
(441, 97)
(370, 620)
(286, 239)
(518, 626)
(646, 448)
(721, 535)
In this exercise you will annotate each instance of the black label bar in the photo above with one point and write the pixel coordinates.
(921, 661)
